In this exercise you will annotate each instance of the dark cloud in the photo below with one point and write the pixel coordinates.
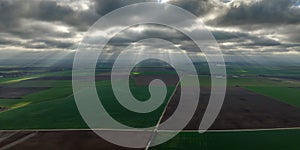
(242, 12)
(11, 11)
(30, 20)
(53, 11)
(5, 41)
(240, 38)
(222, 35)
(45, 44)
(105, 6)
(9, 15)
(140, 32)
(198, 7)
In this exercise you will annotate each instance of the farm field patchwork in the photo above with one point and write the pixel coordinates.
(55, 108)
(60, 92)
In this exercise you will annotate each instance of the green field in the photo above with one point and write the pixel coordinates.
(253, 70)
(290, 95)
(55, 114)
(248, 82)
(236, 140)
(261, 82)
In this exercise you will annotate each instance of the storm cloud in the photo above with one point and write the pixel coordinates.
(241, 27)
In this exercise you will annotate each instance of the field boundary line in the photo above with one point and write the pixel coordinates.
(128, 130)
(160, 118)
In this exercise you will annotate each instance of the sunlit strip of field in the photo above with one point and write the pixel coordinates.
(4, 81)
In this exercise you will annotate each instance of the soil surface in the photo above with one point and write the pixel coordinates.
(168, 79)
(55, 140)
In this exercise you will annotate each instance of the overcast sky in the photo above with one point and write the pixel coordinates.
(241, 27)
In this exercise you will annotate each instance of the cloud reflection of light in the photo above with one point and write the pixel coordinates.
(162, 1)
